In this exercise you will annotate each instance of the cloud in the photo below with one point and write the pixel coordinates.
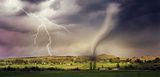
(34, 1)
(136, 33)
(9, 7)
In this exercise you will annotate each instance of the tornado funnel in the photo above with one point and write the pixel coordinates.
(109, 23)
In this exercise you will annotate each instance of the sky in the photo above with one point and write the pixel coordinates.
(73, 24)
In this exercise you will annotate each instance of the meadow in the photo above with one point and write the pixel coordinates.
(73, 66)
(104, 62)
(82, 66)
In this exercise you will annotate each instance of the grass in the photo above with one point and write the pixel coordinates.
(65, 66)
(82, 74)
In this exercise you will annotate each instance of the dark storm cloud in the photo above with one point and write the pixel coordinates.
(148, 10)
(34, 1)
(139, 24)
(56, 5)
(88, 7)
(141, 13)
(92, 12)
(7, 27)
(2, 43)
(138, 21)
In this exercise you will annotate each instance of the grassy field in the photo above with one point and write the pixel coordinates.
(104, 62)
(81, 74)
(66, 66)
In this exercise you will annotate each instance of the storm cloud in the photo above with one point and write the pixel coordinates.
(136, 32)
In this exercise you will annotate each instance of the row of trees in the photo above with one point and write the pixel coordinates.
(156, 60)
(32, 69)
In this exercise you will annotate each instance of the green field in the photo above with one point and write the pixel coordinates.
(104, 62)
(69, 65)
(82, 74)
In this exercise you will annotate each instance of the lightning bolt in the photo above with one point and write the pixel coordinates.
(49, 37)
(43, 25)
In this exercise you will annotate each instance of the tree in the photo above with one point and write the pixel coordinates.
(128, 60)
(118, 66)
(156, 60)
(138, 61)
